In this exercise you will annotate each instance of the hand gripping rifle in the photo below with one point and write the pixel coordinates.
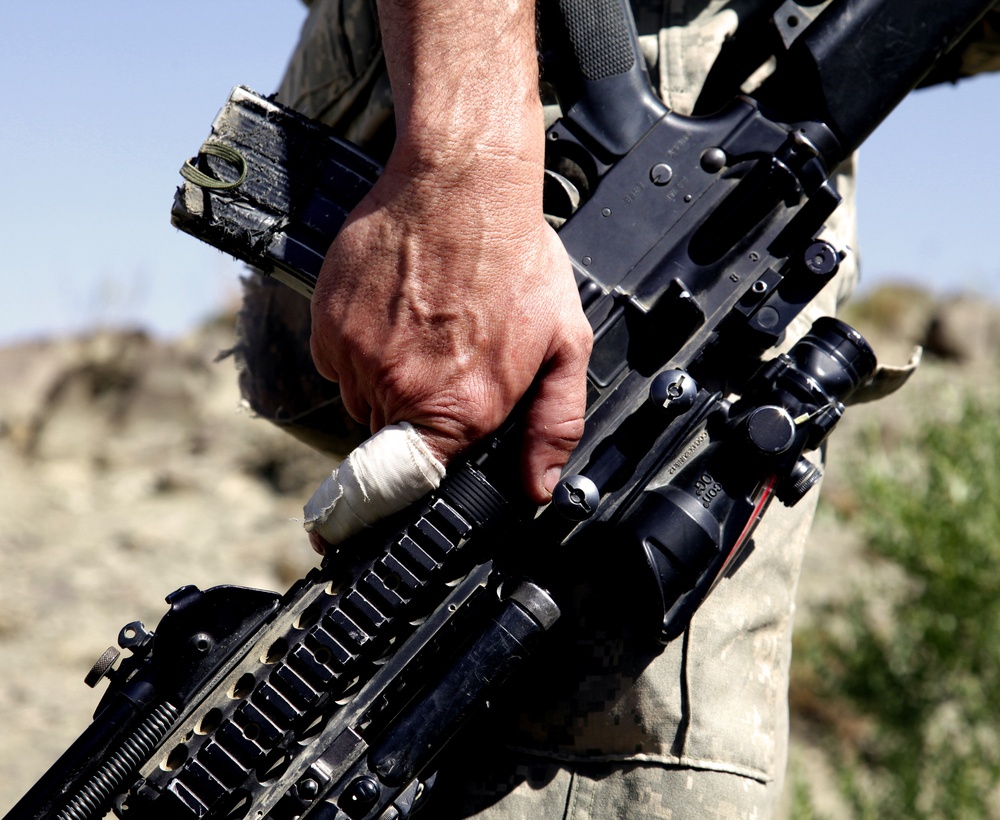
(694, 243)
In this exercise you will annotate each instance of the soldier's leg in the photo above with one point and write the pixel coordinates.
(634, 791)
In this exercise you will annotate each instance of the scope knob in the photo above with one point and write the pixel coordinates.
(804, 476)
(771, 429)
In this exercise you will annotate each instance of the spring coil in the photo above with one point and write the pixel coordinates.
(95, 793)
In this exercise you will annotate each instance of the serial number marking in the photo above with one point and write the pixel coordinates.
(633, 195)
(689, 452)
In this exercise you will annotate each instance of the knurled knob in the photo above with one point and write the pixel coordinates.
(805, 475)
(102, 667)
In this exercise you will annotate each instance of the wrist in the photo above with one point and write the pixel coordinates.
(499, 120)
(499, 153)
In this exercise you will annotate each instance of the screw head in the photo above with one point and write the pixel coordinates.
(661, 173)
(576, 497)
(821, 258)
(673, 390)
(201, 643)
(359, 796)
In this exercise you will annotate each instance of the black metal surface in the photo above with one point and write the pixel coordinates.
(861, 57)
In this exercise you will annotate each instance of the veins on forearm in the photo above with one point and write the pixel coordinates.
(455, 67)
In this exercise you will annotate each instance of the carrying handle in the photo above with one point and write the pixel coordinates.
(858, 60)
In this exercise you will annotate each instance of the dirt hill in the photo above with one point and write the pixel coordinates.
(131, 468)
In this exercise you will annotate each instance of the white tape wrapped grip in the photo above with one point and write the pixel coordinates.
(386, 473)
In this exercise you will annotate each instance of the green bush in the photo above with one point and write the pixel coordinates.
(919, 687)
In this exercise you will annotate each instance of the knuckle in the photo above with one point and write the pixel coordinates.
(564, 435)
(583, 335)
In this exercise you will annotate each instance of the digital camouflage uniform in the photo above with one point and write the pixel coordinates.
(610, 727)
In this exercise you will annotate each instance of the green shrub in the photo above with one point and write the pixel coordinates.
(919, 687)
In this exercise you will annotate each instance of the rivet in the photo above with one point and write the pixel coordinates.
(713, 160)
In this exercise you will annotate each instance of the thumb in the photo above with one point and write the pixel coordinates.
(555, 421)
(386, 473)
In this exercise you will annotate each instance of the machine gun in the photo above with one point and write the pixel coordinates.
(695, 243)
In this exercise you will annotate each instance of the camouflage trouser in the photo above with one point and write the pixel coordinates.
(697, 730)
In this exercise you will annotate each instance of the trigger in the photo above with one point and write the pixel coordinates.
(560, 198)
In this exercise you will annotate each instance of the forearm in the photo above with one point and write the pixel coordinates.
(465, 85)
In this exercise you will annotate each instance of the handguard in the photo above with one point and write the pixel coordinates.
(695, 243)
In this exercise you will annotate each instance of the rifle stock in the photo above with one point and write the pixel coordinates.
(695, 245)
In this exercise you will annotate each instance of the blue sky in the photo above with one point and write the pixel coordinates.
(102, 101)
(929, 191)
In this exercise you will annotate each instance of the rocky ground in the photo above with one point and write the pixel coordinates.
(130, 468)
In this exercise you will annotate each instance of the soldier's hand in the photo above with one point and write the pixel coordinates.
(443, 301)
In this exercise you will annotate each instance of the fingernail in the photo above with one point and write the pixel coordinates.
(318, 543)
(551, 479)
